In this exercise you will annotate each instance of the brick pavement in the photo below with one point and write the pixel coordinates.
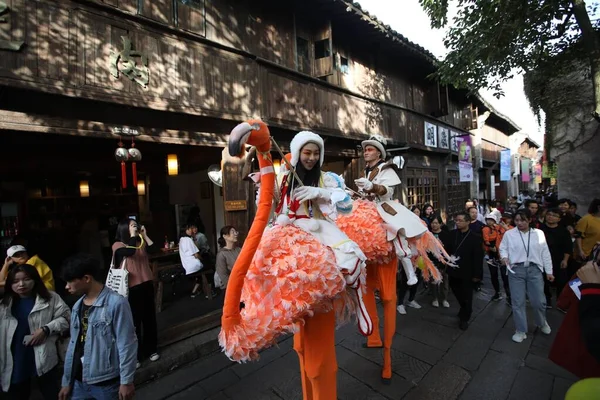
(432, 359)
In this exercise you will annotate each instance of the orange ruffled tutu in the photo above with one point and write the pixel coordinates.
(292, 276)
(365, 227)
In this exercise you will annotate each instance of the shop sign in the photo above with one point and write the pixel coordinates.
(125, 62)
(236, 205)
(124, 130)
(431, 133)
(8, 44)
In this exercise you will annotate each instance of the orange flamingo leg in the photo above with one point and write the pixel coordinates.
(383, 277)
(315, 345)
(374, 340)
(387, 281)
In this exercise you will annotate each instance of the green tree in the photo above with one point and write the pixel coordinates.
(491, 40)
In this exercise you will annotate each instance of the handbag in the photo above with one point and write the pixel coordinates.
(118, 278)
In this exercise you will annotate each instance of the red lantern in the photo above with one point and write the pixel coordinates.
(134, 155)
(122, 155)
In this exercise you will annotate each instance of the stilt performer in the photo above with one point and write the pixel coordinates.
(302, 275)
(381, 227)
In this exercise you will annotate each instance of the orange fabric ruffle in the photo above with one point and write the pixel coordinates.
(366, 228)
(424, 245)
(292, 275)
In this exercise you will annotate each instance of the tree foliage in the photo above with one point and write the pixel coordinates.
(491, 40)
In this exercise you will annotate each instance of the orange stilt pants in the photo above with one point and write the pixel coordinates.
(315, 345)
(382, 277)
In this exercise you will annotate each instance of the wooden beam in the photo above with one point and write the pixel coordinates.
(17, 121)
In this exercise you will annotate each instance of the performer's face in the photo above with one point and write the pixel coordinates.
(371, 153)
(310, 155)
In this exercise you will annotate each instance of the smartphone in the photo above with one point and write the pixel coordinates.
(27, 339)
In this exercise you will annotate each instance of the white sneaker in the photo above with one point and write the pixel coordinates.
(546, 328)
(414, 304)
(155, 357)
(519, 337)
(446, 304)
(401, 309)
(138, 365)
(435, 303)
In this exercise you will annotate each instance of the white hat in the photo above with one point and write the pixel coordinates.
(300, 140)
(15, 249)
(377, 141)
(493, 216)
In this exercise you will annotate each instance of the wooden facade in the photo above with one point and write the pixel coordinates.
(319, 64)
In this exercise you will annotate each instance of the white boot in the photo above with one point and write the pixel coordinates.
(409, 270)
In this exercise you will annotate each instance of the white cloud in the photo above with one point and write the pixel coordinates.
(408, 18)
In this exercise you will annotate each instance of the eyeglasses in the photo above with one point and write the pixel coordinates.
(459, 220)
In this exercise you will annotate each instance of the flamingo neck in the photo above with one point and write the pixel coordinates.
(231, 309)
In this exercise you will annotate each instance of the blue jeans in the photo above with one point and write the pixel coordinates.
(83, 391)
(527, 281)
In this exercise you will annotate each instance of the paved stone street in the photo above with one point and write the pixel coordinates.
(432, 359)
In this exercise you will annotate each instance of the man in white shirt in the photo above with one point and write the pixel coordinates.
(525, 252)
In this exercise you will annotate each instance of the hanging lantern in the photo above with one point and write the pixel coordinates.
(172, 164)
(122, 155)
(134, 155)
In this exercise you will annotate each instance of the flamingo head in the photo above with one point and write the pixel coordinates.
(253, 132)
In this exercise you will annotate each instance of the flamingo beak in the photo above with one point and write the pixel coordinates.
(238, 138)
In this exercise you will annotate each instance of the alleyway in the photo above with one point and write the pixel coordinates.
(432, 359)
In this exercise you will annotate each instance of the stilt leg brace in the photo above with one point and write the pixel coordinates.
(403, 251)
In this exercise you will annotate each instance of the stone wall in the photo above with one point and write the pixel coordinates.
(572, 134)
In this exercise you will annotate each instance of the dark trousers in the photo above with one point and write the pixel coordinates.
(562, 278)
(402, 286)
(463, 291)
(494, 270)
(141, 300)
(47, 383)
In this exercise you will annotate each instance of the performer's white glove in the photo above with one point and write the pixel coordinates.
(363, 184)
(304, 193)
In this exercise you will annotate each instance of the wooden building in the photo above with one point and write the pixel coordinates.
(492, 134)
(77, 76)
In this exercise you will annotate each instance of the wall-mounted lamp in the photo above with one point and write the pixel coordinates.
(172, 164)
(84, 189)
(141, 188)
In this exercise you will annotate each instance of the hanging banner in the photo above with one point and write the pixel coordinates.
(505, 165)
(465, 158)
(525, 177)
(545, 170)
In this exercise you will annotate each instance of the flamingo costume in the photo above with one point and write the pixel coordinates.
(381, 228)
(302, 275)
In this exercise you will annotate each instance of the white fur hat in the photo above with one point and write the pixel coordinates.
(300, 140)
(377, 141)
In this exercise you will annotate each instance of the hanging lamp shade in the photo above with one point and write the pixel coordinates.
(172, 164)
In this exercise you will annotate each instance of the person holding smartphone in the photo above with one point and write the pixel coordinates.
(32, 318)
(132, 242)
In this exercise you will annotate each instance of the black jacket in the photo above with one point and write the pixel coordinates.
(589, 318)
(444, 236)
(470, 253)
(559, 242)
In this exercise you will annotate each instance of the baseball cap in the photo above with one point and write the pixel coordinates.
(14, 250)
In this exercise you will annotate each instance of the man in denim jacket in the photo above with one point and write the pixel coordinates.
(102, 354)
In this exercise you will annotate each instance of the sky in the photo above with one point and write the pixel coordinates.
(408, 18)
